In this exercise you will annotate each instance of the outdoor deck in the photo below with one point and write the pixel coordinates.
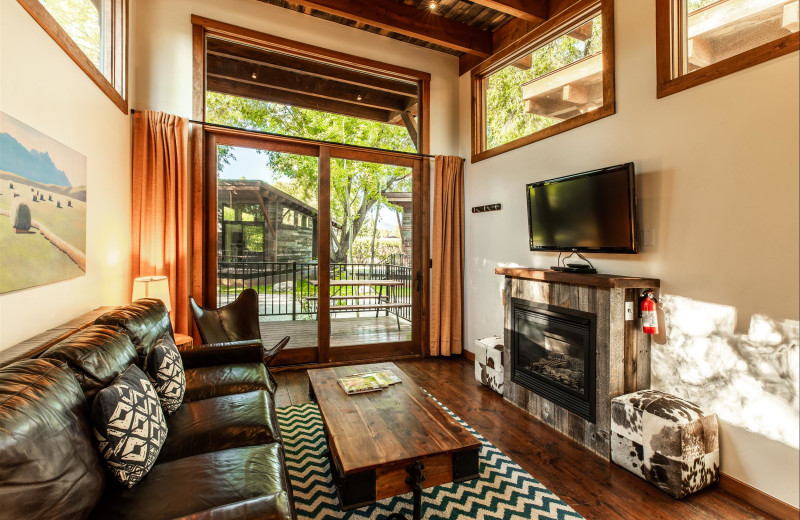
(344, 331)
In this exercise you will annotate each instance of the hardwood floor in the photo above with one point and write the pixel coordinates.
(594, 487)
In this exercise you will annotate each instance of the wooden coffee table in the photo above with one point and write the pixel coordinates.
(390, 442)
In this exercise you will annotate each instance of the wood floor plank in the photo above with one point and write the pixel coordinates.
(594, 487)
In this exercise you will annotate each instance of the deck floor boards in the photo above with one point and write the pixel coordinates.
(344, 331)
(594, 487)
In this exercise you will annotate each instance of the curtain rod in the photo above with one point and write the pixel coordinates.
(305, 139)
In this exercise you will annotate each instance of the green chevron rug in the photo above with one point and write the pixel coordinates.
(503, 491)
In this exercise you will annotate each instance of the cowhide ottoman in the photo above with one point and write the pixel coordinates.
(665, 440)
(489, 362)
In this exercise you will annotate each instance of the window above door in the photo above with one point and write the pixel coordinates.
(288, 88)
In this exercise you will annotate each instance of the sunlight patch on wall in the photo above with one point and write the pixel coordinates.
(750, 380)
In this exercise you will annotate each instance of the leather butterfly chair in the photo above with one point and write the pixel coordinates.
(233, 324)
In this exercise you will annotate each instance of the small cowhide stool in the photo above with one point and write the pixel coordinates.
(489, 362)
(665, 440)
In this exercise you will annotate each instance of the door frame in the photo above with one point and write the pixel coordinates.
(204, 215)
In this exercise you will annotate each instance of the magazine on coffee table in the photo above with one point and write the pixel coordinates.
(360, 384)
(384, 377)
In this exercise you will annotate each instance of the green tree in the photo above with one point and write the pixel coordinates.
(356, 186)
(82, 22)
(506, 118)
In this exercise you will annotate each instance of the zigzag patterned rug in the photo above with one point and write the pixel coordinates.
(503, 491)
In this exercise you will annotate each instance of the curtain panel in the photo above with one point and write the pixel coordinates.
(447, 243)
(159, 203)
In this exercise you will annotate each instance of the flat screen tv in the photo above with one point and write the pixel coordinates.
(594, 211)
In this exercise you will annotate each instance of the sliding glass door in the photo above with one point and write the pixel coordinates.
(325, 235)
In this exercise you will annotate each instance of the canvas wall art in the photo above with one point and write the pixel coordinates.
(42, 208)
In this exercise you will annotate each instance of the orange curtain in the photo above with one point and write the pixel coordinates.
(159, 206)
(447, 275)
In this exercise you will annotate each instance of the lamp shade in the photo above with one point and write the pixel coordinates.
(152, 287)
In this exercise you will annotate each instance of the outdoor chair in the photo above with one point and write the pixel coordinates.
(233, 324)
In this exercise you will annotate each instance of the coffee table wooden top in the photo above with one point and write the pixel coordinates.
(399, 424)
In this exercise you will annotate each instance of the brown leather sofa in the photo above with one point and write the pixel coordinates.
(223, 457)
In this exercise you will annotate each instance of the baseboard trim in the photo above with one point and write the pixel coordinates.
(468, 356)
(757, 498)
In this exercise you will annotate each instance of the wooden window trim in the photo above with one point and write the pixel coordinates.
(554, 27)
(666, 15)
(117, 88)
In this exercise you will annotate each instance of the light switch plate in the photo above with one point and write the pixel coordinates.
(649, 239)
(629, 311)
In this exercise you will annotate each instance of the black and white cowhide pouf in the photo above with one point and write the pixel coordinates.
(665, 440)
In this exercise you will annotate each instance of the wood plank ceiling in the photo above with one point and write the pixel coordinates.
(472, 30)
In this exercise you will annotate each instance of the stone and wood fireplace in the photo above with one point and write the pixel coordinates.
(569, 349)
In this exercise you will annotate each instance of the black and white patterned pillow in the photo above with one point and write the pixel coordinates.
(164, 368)
(129, 426)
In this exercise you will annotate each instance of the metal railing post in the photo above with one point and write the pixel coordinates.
(294, 290)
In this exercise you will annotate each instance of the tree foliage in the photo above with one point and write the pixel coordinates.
(506, 118)
(356, 186)
(81, 21)
(693, 5)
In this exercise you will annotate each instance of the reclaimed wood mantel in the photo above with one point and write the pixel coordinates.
(607, 281)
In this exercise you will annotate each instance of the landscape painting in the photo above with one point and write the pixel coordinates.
(42, 208)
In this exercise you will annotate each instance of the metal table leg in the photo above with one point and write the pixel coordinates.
(415, 478)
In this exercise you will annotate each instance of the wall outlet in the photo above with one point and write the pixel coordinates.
(629, 311)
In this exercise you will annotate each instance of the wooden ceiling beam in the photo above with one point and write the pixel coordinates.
(534, 11)
(298, 82)
(512, 31)
(410, 21)
(248, 90)
(245, 53)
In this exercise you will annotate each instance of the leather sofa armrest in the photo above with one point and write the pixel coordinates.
(223, 354)
(270, 507)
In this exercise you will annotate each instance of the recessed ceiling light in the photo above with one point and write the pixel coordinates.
(254, 75)
(432, 5)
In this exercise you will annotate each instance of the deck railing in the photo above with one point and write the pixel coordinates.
(284, 288)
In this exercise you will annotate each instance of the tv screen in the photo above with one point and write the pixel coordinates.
(593, 211)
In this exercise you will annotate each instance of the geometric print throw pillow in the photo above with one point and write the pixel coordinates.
(129, 426)
(164, 369)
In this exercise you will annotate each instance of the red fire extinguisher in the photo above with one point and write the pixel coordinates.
(648, 310)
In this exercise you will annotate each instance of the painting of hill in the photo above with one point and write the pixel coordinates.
(42, 208)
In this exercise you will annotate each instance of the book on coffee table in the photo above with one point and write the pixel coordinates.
(360, 384)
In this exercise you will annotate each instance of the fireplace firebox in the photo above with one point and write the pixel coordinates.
(553, 354)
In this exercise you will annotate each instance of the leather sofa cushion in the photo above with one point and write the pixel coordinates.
(96, 355)
(268, 507)
(145, 321)
(213, 381)
(48, 465)
(220, 423)
(202, 482)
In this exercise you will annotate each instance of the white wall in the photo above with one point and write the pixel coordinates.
(164, 54)
(717, 183)
(42, 87)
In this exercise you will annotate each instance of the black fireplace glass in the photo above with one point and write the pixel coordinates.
(553, 354)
